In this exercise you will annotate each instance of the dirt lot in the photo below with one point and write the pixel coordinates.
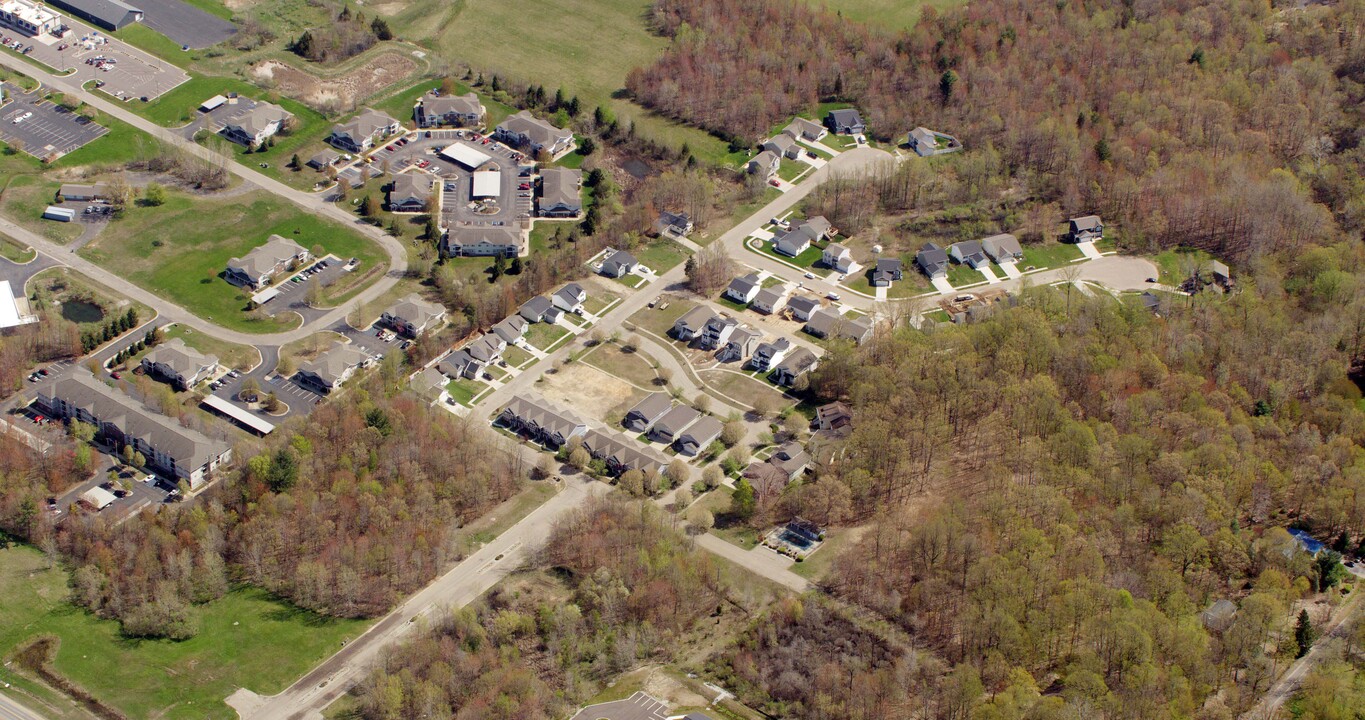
(341, 92)
(588, 392)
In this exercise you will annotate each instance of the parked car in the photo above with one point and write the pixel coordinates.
(833, 296)
(810, 276)
(115, 375)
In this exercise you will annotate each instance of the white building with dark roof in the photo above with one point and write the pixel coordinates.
(525, 130)
(179, 363)
(259, 267)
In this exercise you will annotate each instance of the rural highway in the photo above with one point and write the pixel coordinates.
(12, 710)
(1326, 648)
(398, 258)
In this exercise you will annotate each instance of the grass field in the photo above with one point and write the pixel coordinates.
(516, 357)
(542, 335)
(123, 143)
(742, 389)
(15, 251)
(246, 639)
(660, 320)
(888, 14)
(727, 527)
(230, 355)
(179, 250)
(960, 275)
(633, 367)
(464, 391)
(23, 200)
(661, 255)
(806, 259)
(1049, 255)
(1178, 264)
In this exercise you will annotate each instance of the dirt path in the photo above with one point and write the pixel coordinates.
(1326, 648)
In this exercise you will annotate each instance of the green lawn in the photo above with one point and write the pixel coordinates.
(15, 251)
(516, 357)
(543, 335)
(597, 304)
(465, 390)
(660, 320)
(727, 528)
(246, 639)
(23, 200)
(817, 565)
(1178, 264)
(631, 281)
(661, 255)
(179, 250)
(141, 36)
(230, 355)
(1049, 255)
(634, 368)
(59, 284)
(912, 283)
(960, 275)
(572, 160)
(122, 144)
(806, 259)
(789, 169)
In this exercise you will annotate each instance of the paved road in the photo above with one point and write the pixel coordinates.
(464, 583)
(760, 561)
(398, 259)
(1326, 648)
(12, 710)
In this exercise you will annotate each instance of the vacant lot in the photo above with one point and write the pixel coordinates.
(542, 335)
(246, 639)
(180, 250)
(588, 393)
(743, 390)
(343, 90)
(661, 255)
(633, 367)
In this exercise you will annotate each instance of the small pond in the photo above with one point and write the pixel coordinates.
(80, 311)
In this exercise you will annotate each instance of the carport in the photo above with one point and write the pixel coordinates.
(465, 155)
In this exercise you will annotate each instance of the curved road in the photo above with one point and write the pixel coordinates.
(398, 258)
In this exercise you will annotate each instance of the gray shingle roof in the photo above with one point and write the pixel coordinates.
(179, 357)
(332, 365)
(560, 186)
(263, 259)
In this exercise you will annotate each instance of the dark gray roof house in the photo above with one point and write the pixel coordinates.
(1151, 302)
(511, 329)
(769, 354)
(560, 192)
(886, 271)
(108, 14)
(647, 411)
(742, 343)
(697, 437)
(845, 122)
(743, 289)
(968, 252)
(540, 420)
(620, 454)
(932, 260)
(802, 306)
(534, 309)
(667, 428)
(1087, 228)
(834, 416)
(619, 263)
(769, 299)
(797, 363)
(828, 323)
(482, 241)
(529, 131)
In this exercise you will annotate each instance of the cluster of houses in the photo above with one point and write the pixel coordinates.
(474, 357)
(787, 144)
(541, 421)
(410, 316)
(1003, 249)
(820, 320)
(683, 427)
(736, 342)
(120, 421)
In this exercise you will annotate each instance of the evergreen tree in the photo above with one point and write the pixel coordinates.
(381, 29)
(1305, 634)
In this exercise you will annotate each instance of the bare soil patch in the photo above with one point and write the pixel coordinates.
(588, 392)
(338, 93)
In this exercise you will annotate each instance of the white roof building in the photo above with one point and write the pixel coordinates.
(14, 311)
(465, 155)
(487, 184)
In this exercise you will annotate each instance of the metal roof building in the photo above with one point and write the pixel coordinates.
(108, 14)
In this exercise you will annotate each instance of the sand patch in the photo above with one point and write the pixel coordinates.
(588, 392)
(340, 93)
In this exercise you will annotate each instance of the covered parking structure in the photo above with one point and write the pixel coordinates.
(464, 155)
(238, 415)
(487, 184)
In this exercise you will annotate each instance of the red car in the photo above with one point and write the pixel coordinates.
(116, 376)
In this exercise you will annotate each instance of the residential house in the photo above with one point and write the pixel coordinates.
(471, 360)
(1086, 229)
(648, 411)
(783, 145)
(179, 363)
(968, 252)
(818, 227)
(534, 310)
(570, 298)
(741, 344)
(541, 421)
(790, 458)
(667, 428)
(512, 329)
(460, 364)
(560, 192)
(480, 241)
(84, 193)
(1150, 302)
(925, 142)
(179, 452)
(717, 331)
(449, 110)
(1218, 616)
(769, 299)
(797, 363)
(698, 436)
(845, 122)
(692, 323)
(362, 132)
(743, 289)
(1003, 248)
(932, 261)
(838, 257)
(799, 236)
(803, 129)
(334, 367)
(886, 271)
(834, 416)
(620, 454)
(674, 225)
(429, 384)
(828, 323)
(412, 316)
(765, 164)
(259, 267)
(769, 355)
(323, 160)
(765, 478)
(801, 306)
(256, 125)
(411, 192)
(524, 130)
(619, 263)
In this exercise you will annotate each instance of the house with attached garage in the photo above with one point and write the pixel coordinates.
(1003, 248)
(765, 164)
(526, 131)
(698, 436)
(828, 323)
(926, 143)
(769, 355)
(845, 122)
(667, 428)
(511, 329)
(541, 421)
(790, 458)
(179, 363)
(620, 454)
(1086, 229)
(932, 261)
(886, 271)
(411, 192)
(648, 411)
(570, 298)
(535, 309)
(741, 344)
(801, 306)
(412, 316)
(797, 363)
(743, 289)
(560, 193)
(717, 331)
(362, 132)
(259, 267)
(323, 160)
(834, 416)
(783, 145)
(471, 360)
(334, 367)
(476, 241)
(449, 110)
(256, 125)
(968, 252)
(618, 264)
(673, 224)
(84, 193)
(769, 299)
(838, 257)
(803, 129)
(797, 238)
(692, 324)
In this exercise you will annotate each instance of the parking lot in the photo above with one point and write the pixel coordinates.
(42, 128)
(117, 68)
(457, 202)
(186, 24)
(293, 294)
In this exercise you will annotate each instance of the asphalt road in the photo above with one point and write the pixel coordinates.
(398, 259)
(12, 710)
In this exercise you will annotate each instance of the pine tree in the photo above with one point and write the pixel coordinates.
(1305, 634)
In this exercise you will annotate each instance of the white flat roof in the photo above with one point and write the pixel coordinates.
(242, 416)
(487, 183)
(214, 102)
(465, 155)
(265, 295)
(11, 314)
(98, 497)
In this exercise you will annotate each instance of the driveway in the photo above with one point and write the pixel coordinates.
(1089, 250)
(760, 561)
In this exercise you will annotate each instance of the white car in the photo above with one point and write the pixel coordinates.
(833, 296)
(810, 276)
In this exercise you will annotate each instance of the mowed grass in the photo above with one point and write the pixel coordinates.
(230, 355)
(632, 367)
(180, 250)
(246, 639)
(889, 14)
